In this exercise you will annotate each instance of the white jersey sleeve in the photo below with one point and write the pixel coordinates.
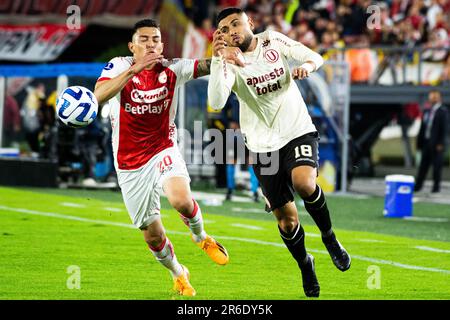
(295, 50)
(184, 69)
(221, 81)
(115, 67)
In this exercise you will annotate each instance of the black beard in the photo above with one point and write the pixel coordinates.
(246, 43)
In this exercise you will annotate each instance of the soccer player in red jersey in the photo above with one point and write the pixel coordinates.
(142, 96)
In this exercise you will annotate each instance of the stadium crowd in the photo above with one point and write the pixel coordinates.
(327, 25)
(323, 24)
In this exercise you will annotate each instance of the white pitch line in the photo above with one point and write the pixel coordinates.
(275, 244)
(113, 209)
(314, 235)
(425, 219)
(72, 205)
(371, 240)
(246, 226)
(67, 217)
(432, 249)
(255, 210)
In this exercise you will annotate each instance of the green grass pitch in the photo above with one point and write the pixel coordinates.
(44, 232)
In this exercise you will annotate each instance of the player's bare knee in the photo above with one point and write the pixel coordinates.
(305, 187)
(288, 224)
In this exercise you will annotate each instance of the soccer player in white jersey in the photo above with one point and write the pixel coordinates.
(275, 124)
(141, 92)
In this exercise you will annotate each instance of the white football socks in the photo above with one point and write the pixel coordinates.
(166, 256)
(195, 223)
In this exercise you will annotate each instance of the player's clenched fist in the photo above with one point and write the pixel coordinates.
(303, 71)
(230, 54)
(300, 73)
(218, 43)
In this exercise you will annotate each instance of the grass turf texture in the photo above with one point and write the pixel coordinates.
(116, 264)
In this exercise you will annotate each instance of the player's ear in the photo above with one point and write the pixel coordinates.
(251, 23)
(131, 47)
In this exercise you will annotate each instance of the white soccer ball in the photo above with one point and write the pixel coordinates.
(77, 106)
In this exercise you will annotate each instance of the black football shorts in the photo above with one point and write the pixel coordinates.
(273, 169)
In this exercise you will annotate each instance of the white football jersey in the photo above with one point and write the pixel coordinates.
(272, 110)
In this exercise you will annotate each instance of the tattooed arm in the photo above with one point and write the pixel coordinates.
(203, 67)
(230, 55)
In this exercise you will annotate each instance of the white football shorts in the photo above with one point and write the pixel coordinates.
(141, 188)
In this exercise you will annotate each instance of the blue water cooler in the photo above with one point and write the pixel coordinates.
(399, 195)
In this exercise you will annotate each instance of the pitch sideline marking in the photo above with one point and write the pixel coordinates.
(246, 226)
(371, 240)
(72, 205)
(425, 219)
(253, 210)
(112, 209)
(432, 249)
(130, 226)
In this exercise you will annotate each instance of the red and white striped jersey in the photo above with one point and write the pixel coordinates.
(143, 113)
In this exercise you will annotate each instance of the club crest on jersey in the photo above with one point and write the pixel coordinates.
(271, 55)
(136, 80)
(162, 77)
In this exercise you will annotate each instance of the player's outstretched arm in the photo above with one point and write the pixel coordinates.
(222, 75)
(105, 90)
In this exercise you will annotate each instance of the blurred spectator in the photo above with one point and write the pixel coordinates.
(445, 76)
(443, 20)
(30, 115)
(230, 3)
(263, 7)
(89, 141)
(432, 14)
(207, 29)
(398, 9)
(303, 34)
(47, 117)
(256, 16)
(439, 39)
(415, 18)
(279, 24)
(382, 34)
(307, 5)
(320, 26)
(360, 61)
(326, 42)
(196, 10)
(353, 19)
(11, 122)
(409, 113)
(406, 34)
